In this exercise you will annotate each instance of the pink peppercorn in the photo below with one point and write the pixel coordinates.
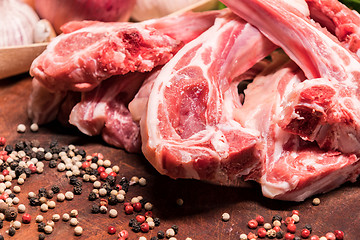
(129, 209)
(289, 236)
(330, 236)
(260, 220)
(144, 227)
(140, 218)
(123, 234)
(295, 212)
(85, 165)
(5, 172)
(32, 168)
(305, 233)
(262, 232)
(99, 155)
(314, 237)
(103, 175)
(2, 141)
(289, 220)
(112, 174)
(101, 169)
(253, 224)
(111, 230)
(339, 234)
(277, 228)
(291, 227)
(148, 214)
(251, 236)
(137, 206)
(26, 218)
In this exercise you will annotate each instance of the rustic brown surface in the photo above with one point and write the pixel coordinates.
(198, 218)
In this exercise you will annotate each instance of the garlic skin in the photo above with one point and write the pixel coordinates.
(17, 23)
(43, 31)
(147, 9)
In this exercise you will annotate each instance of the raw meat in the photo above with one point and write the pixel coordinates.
(189, 130)
(104, 111)
(339, 20)
(292, 169)
(91, 52)
(325, 107)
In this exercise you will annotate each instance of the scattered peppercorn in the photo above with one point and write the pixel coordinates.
(316, 201)
(160, 234)
(136, 227)
(157, 222)
(339, 234)
(26, 218)
(77, 190)
(11, 231)
(41, 236)
(276, 217)
(95, 209)
(253, 224)
(41, 226)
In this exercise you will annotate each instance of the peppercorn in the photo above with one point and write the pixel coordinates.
(261, 232)
(129, 209)
(41, 236)
(52, 164)
(276, 217)
(41, 226)
(137, 206)
(9, 149)
(132, 221)
(289, 220)
(72, 180)
(279, 234)
(77, 190)
(160, 234)
(95, 209)
(11, 231)
(111, 230)
(252, 224)
(27, 171)
(176, 228)
(55, 189)
(110, 179)
(92, 196)
(260, 219)
(26, 218)
(305, 233)
(34, 201)
(136, 227)
(10, 214)
(339, 234)
(124, 183)
(157, 222)
(140, 218)
(1, 223)
(112, 200)
(144, 227)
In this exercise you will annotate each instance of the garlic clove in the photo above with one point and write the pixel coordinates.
(43, 31)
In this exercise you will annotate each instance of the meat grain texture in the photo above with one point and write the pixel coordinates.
(170, 88)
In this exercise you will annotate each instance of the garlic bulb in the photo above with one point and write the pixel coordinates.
(43, 31)
(147, 9)
(17, 22)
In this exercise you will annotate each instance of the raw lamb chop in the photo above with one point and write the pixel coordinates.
(189, 130)
(292, 169)
(91, 52)
(325, 107)
(339, 20)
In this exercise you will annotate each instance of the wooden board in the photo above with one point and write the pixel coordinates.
(199, 217)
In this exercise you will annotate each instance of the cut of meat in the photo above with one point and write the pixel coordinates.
(189, 129)
(93, 51)
(339, 20)
(104, 111)
(325, 107)
(292, 169)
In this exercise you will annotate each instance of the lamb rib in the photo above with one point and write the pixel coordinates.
(91, 52)
(188, 130)
(323, 108)
(339, 20)
(292, 169)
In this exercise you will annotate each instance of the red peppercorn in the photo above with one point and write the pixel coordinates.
(3, 153)
(4, 196)
(123, 234)
(330, 236)
(260, 220)
(2, 141)
(112, 174)
(137, 206)
(5, 172)
(289, 236)
(129, 209)
(291, 227)
(289, 220)
(144, 227)
(253, 224)
(295, 212)
(314, 237)
(5, 157)
(140, 218)
(103, 175)
(99, 155)
(32, 168)
(148, 214)
(305, 233)
(251, 235)
(262, 232)
(26, 218)
(118, 186)
(111, 230)
(101, 169)
(277, 228)
(339, 234)
(85, 165)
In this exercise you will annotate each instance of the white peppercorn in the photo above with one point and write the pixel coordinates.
(74, 222)
(113, 213)
(170, 233)
(34, 127)
(74, 213)
(51, 204)
(134, 180)
(15, 200)
(78, 230)
(225, 217)
(8, 184)
(97, 184)
(16, 224)
(102, 192)
(48, 229)
(55, 217)
(17, 189)
(93, 178)
(61, 167)
(120, 197)
(44, 207)
(115, 169)
(21, 128)
(60, 197)
(142, 181)
(151, 225)
(107, 163)
(134, 200)
(69, 195)
(39, 218)
(66, 217)
(148, 206)
(21, 208)
(50, 223)
(20, 181)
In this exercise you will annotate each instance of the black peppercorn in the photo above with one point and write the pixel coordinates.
(1, 237)
(42, 190)
(95, 159)
(279, 235)
(9, 148)
(10, 214)
(13, 165)
(19, 170)
(12, 195)
(72, 180)
(175, 228)
(78, 183)
(12, 231)
(157, 222)
(92, 196)
(41, 236)
(19, 146)
(112, 200)
(136, 227)
(132, 221)
(110, 179)
(308, 227)
(124, 183)
(41, 227)
(161, 234)
(40, 155)
(53, 143)
(1, 224)
(27, 171)
(154, 238)
(143, 201)
(49, 194)
(276, 217)
(81, 152)
(77, 190)
(95, 209)
(34, 202)
(52, 164)
(42, 194)
(55, 189)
